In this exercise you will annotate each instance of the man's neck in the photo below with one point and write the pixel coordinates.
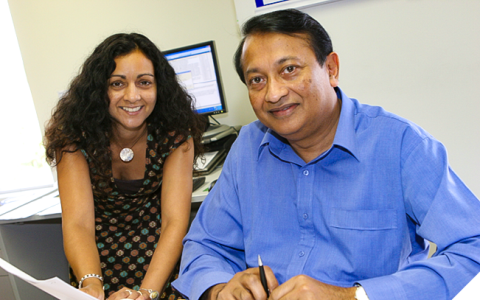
(315, 145)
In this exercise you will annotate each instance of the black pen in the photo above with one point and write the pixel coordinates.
(263, 279)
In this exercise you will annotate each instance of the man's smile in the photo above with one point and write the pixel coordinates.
(283, 110)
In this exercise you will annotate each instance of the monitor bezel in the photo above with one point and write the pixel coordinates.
(217, 73)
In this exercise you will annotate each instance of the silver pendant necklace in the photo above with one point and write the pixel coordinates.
(126, 155)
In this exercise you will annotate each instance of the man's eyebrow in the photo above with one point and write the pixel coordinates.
(285, 59)
(249, 71)
(277, 63)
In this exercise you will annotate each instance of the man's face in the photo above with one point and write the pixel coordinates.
(289, 91)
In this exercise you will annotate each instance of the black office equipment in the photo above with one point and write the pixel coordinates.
(198, 182)
(224, 143)
(212, 184)
(215, 154)
(206, 164)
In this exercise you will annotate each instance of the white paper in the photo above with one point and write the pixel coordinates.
(53, 286)
(15, 200)
(56, 209)
(33, 207)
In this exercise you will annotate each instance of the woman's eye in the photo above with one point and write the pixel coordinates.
(145, 83)
(116, 84)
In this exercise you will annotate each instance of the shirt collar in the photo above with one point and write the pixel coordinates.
(344, 136)
(274, 141)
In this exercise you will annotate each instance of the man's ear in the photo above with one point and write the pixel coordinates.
(333, 67)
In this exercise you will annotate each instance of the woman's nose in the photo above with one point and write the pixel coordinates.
(132, 93)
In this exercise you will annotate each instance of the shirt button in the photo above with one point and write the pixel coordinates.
(305, 172)
(301, 253)
(305, 216)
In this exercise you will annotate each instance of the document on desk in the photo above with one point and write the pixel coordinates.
(53, 286)
(11, 203)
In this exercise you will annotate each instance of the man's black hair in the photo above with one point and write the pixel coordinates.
(289, 22)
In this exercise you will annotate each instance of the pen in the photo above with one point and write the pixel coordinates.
(263, 279)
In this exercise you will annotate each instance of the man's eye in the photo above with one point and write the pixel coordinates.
(255, 80)
(290, 69)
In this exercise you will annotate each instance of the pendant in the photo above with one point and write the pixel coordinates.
(126, 154)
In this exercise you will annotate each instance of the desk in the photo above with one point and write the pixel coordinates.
(31, 239)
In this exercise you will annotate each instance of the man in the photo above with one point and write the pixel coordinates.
(338, 198)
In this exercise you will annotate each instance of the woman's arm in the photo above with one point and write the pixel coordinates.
(78, 220)
(175, 207)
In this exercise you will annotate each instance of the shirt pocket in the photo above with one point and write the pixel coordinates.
(376, 219)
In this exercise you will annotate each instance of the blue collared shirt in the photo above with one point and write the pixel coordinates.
(360, 212)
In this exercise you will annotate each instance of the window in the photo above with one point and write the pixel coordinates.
(22, 157)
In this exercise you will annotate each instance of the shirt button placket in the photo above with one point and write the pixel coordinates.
(304, 196)
(305, 215)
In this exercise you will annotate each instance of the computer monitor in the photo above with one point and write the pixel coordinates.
(197, 70)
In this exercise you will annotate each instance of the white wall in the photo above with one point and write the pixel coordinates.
(56, 36)
(417, 58)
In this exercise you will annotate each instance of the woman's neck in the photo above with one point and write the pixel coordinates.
(126, 137)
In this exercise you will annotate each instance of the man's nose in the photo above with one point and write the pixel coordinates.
(275, 90)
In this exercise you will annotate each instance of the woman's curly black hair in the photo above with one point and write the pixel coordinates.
(81, 119)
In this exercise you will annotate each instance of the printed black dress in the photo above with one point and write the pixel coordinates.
(127, 219)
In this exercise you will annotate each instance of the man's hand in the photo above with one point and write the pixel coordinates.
(244, 285)
(305, 288)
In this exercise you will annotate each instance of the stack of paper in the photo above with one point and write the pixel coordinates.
(53, 286)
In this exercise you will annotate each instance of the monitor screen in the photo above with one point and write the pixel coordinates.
(197, 70)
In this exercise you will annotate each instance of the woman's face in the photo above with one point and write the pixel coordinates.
(132, 90)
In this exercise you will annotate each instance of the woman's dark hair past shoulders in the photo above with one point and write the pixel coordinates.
(81, 119)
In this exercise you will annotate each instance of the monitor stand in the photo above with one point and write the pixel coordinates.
(213, 130)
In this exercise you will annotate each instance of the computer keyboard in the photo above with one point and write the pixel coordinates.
(198, 182)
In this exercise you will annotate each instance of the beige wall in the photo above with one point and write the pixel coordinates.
(56, 36)
(417, 58)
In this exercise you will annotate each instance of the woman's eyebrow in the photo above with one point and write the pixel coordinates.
(145, 74)
(125, 77)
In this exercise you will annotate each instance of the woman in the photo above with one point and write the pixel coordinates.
(123, 139)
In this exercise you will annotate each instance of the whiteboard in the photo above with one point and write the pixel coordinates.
(249, 8)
